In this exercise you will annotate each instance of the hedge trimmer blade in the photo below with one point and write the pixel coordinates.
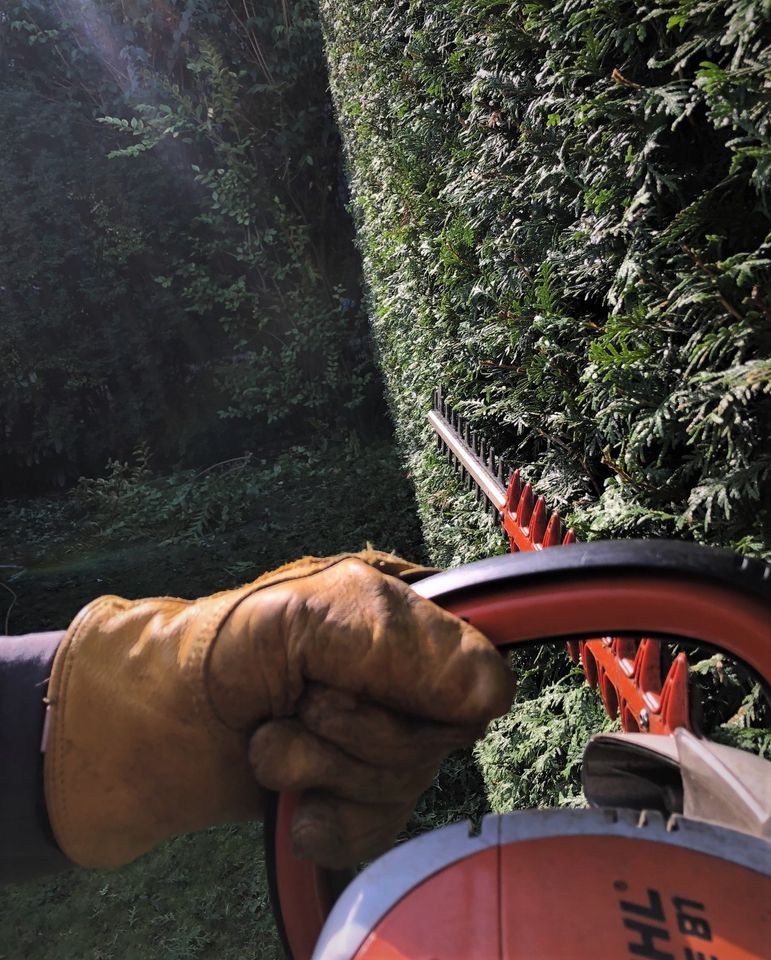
(627, 671)
(477, 462)
(525, 518)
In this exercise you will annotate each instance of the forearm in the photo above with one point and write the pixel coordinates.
(27, 847)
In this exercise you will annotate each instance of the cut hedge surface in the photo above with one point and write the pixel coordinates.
(564, 209)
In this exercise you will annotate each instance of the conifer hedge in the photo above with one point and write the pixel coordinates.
(564, 208)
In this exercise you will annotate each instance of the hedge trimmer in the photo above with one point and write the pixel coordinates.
(675, 861)
(625, 670)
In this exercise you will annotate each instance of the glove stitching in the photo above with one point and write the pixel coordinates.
(203, 646)
(318, 564)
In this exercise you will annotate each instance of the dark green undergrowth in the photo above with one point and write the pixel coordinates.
(176, 260)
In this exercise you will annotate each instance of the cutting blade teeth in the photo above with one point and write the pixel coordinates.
(467, 451)
(527, 524)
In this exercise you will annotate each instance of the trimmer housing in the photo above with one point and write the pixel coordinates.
(563, 884)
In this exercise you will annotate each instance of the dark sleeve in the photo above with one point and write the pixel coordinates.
(27, 846)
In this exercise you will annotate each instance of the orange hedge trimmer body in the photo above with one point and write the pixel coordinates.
(623, 881)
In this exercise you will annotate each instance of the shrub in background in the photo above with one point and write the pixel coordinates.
(176, 261)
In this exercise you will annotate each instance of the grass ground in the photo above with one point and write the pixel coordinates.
(201, 896)
(135, 533)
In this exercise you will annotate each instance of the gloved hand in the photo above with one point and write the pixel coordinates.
(327, 676)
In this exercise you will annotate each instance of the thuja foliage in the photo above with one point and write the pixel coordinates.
(176, 263)
(564, 209)
(532, 757)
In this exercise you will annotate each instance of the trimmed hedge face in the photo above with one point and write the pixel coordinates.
(564, 209)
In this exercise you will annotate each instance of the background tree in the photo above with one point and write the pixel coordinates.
(175, 256)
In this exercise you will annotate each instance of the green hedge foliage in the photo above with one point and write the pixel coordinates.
(564, 209)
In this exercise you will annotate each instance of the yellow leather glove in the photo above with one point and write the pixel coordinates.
(327, 676)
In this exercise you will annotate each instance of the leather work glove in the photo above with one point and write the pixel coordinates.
(327, 676)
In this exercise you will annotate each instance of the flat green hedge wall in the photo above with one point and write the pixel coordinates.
(564, 210)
